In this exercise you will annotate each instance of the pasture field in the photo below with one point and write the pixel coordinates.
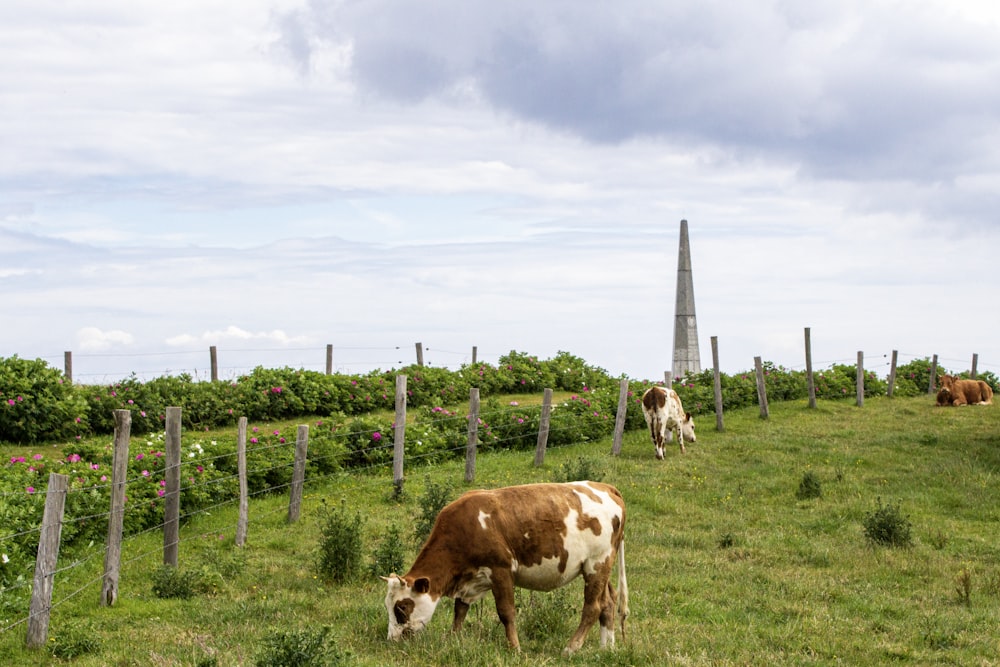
(726, 566)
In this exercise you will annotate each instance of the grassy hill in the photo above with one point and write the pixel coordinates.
(726, 564)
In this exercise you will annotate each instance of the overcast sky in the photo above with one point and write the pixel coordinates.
(270, 177)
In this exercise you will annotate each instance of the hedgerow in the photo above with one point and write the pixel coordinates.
(38, 405)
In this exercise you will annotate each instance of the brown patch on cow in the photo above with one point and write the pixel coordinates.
(655, 399)
(402, 610)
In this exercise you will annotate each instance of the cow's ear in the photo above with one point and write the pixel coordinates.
(687, 416)
(422, 585)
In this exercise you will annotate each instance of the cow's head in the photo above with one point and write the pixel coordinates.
(687, 428)
(410, 605)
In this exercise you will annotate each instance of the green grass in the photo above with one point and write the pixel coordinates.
(725, 565)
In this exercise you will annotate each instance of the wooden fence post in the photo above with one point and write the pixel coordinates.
(68, 366)
(329, 359)
(809, 370)
(119, 473)
(543, 427)
(420, 354)
(470, 448)
(975, 362)
(475, 350)
(860, 384)
(668, 379)
(717, 384)
(399, 433)
(616, 443)
(45, 561)
(298, 473)
(933, 381)
(761, 389)
(892, 375)
(241, 471)
(213, 354)
(172, 490)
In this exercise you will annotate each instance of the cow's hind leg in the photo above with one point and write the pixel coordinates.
(656, 432)
(608, 606)
(593, 595)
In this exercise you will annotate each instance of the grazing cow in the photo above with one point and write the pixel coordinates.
(966, 392)
(664, 413)
(535, 536)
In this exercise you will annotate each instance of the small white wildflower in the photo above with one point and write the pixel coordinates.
(4, 559)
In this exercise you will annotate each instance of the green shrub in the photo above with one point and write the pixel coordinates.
(172, 582)
(809, 486)
(37, 404)
(433, 500)
(339, 554)
(388, 556)
(299, 648)
(886, 525)
(579, 469)
(74, 639)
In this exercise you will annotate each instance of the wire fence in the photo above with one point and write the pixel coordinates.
(454, 425)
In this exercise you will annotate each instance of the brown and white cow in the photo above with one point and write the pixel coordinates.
(664, 413)
(966, 392)
(535, 536)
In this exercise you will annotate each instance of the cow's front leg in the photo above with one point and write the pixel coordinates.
(503, 595)
(461, 609)
(680, 438)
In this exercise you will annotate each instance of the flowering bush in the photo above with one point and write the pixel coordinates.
(36, 404)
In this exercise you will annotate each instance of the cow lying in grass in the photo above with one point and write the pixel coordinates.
(535, 536)
(963, 392)
(664, 413)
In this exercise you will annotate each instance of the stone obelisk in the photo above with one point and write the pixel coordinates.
(687, 360)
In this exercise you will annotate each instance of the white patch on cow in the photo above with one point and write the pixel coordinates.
(585, 549)
(483, 516)
(474, 589)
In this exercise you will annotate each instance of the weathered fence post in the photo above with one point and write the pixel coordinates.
(809, 370)
(241, 471)
(543, 427)
(474, 351)
(892, 375)
(172, 489)
(45, 561)
(975, 362)
(213, 354)
(933, 381)
(717, 384)
(761, 388)
(470, 448)
(420, 354)
(329, 359)
(298, 473)
(68, 366)
(399, 432)
(668, 379)
(116, 520)
(860, 384)
(616, 446)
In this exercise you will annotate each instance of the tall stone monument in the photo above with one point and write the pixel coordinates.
(687, 360)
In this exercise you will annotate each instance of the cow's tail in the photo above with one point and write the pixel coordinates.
(622, 587)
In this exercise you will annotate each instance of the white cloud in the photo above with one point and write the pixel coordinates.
(235, 334)
(92, 339)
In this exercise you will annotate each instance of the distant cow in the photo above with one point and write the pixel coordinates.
(536, 536)
(664, 413)
(966, 392)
